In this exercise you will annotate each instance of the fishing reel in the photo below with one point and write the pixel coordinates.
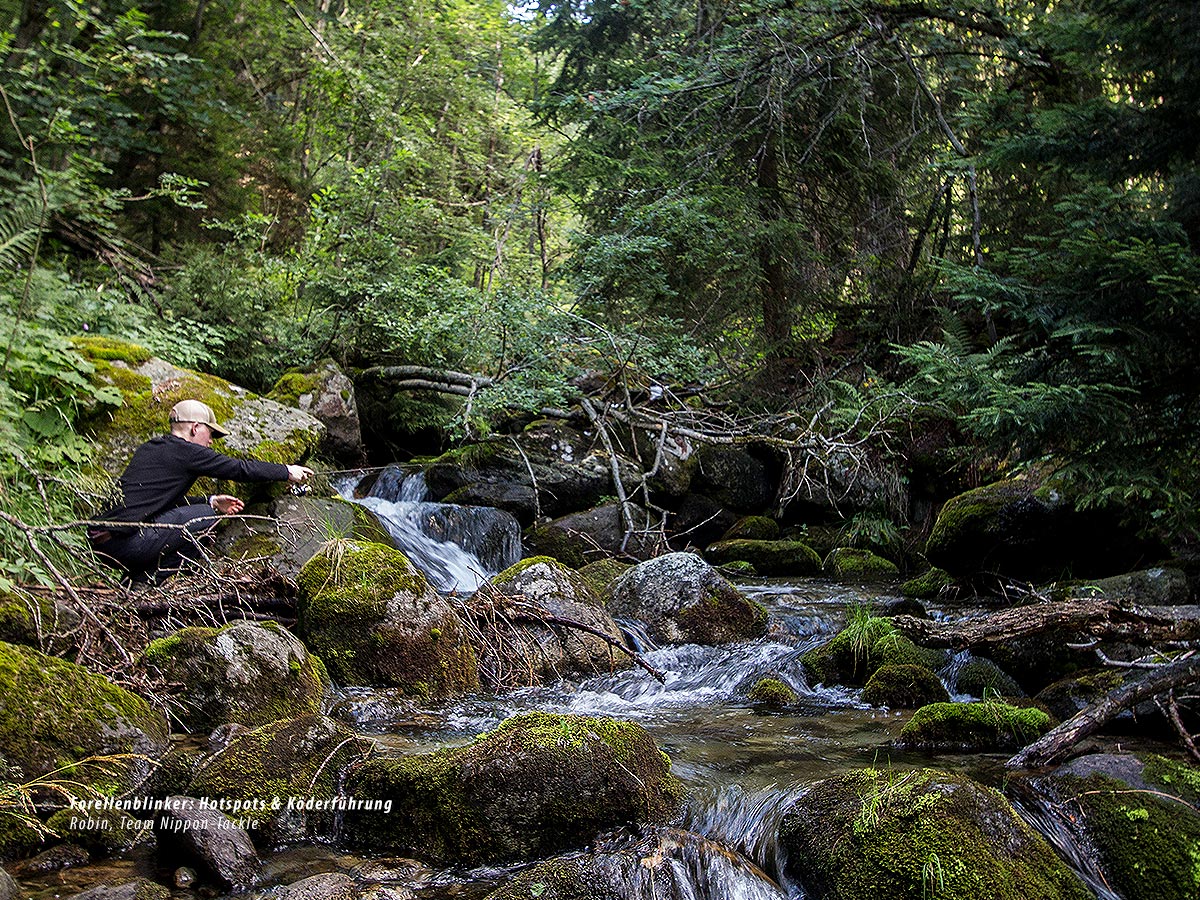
(300, 490)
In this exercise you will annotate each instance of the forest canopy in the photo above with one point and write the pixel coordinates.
(979, 221)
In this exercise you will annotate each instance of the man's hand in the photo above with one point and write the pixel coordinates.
(296, 474)
(226, 505)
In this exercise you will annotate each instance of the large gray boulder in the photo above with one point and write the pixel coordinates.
(249, 673)
(543, 650)
(326, 393)
(193, 832)
(682, 599)
(258, 428)
(582, 537)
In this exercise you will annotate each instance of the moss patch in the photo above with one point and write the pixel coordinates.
(602, 573)
(927, 585)
(853, 564)
(871, 835)
(853, 655)
(101, 347)
(752, 528)
(767, 557)
(986, 726)
(904, 687)
(771, 693)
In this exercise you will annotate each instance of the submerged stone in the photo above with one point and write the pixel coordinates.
(874, 835)
(537, 784)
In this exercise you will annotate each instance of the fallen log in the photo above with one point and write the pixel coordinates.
(1094, 618)
(1055, 743)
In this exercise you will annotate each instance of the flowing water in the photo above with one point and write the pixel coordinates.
(743, 766)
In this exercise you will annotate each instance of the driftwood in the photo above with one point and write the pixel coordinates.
(1056, 742)
(1093, 618)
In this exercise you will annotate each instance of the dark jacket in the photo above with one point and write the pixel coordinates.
(164, 469)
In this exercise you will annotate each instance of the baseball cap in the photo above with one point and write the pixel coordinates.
(195, 411)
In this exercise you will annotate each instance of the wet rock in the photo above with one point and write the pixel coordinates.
(682, 599)
(374, 619)
(326, 886)
(326, 393)
(856, 565)
(194, 834)
(138, 889)
(852, 655)
(927, 585)
(581, 537)
(55, 713)
(102, 832)
(699, 521)
(1024, 529)
(549, 469)
(548, 652)
(771, 693)
(55, 859)
(8, 888)
(981, 727)
(665, 863)
(295, 760)
(767, 557)
(44, 623)
(904, 687)
(247, 672)
(1162, 586)
(537, 784)
(1073, 694)
(872, 835)
(258, 428)
(493, 534)
(1140, 816)
(184, 877)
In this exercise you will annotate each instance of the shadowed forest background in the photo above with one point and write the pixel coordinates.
(961, 231)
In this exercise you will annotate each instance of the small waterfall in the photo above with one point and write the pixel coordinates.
(458, 548)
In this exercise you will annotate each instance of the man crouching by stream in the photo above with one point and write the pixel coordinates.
(154, 490)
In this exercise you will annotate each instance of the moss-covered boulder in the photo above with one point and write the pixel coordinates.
(258, 428)
(300, 761)
(853, 564)
(904, 687)
(1026, 529)
(682, 599)
(325, 392)
(873, 835)
(55, 713)
(539, 783)
(102, 832)
(581, 537)
(753, 528)
(600, 574)
(374, 619)
(767, 557)
(1140, 815)
(248, 672)
(867, 642)
(771, 693)
(542, 649)
(39, 622)
(983, 727)
(927, 585)
(980, 677)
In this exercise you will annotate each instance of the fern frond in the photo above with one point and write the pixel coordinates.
(20, 225)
